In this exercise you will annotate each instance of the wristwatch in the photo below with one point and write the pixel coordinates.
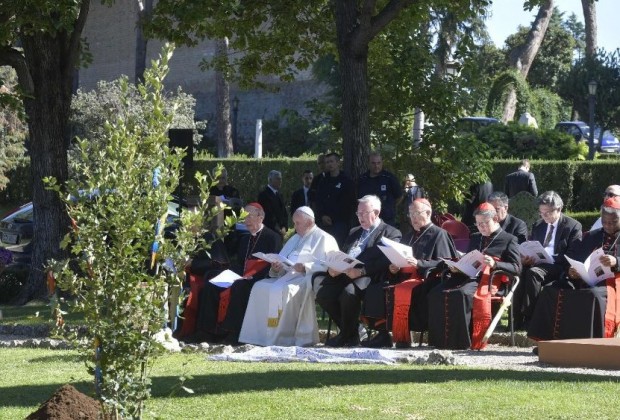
(362, 271)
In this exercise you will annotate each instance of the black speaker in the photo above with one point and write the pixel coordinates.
(183, 138)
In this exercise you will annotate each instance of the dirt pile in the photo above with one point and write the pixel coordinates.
(67, 403)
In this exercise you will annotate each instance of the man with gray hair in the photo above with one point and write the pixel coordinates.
(571, 308)
(276, 216)
(341, 293)
(460, 307)
(281, 310)
(508, 222)
(556, 232)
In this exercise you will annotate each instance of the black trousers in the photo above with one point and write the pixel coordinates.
(342, 300)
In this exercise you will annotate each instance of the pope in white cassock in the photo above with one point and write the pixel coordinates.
(281, 310)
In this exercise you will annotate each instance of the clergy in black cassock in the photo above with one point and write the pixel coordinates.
(406, 302)
(216, 321)
(451, 303)
(569, 307)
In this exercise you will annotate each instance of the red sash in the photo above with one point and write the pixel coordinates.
(612, 310)
(481, 310)
(191, 306)
(402, 305)
(252, 266)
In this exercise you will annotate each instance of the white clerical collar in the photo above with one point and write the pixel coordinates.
(258, 231)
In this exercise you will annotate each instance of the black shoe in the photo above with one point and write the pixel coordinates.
(340, 341)
(535, 350)
(380, 340)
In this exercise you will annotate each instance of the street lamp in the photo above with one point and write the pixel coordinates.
(235, 109)
(591, 101)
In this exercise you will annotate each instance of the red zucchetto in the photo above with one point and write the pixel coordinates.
(613, 202)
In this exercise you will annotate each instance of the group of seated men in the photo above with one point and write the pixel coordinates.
(276, 305)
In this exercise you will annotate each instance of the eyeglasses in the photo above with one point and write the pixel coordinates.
(547, 213)
(479, 224)
(362, 213)
(610, 194)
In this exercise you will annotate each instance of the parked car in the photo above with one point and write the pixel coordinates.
(578, 129)
(608, 143)
(474, 124)
(16, 233)
(16, 229)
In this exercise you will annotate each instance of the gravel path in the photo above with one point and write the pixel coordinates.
(494, 356)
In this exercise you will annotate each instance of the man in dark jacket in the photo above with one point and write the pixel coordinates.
(276, 216)
(334, 199)
(508, 222)
(521, 180)
(377, 181)
(301, 197)
(341, 293)
(556, 232)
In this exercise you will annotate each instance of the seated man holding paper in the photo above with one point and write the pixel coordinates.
(281, 310)
(460, 307)
(585, 304)
(341, 293)
(222, 304)
(556, 232)
(425, 246)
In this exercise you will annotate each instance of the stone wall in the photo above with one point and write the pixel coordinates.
(111, 34)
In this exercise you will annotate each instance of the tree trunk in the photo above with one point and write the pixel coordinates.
(48, 116)
(522, 58)
(589, 17)
(145, 9)
(222, 107)
(354, 78)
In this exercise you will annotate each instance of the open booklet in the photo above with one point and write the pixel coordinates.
(396, 252)
(591, 271)
(535, 250)
(272, 258)
(469, 264)
(225, 279)
(337, 260)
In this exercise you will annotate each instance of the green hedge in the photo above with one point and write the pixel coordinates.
(579, 183)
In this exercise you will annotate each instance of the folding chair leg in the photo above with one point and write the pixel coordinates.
(329, 328)
(512, 325)
(421, 339)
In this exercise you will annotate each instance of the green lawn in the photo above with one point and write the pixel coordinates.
(299, 390)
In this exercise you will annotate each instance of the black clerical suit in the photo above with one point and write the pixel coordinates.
(535, 277)
(341, 296)
(429, 245)
(276, 216)
(515, 226)
(570, 308)
(266, 241)
(450, 303)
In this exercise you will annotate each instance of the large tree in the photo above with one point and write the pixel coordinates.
(522, 57)
(41, 40)
(280, 37)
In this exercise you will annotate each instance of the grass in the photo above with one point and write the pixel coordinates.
(304, 390)
(34, 313)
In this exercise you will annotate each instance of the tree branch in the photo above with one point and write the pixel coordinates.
(378, 22)
(13, 57)
(73, 48)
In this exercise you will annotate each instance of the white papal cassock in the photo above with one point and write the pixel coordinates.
(281, 310)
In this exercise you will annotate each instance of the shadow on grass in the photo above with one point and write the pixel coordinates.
(33, 395)
(292, 379)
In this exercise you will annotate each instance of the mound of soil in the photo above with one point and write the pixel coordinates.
(67, 403)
